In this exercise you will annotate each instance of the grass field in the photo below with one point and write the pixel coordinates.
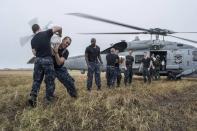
(160, 106)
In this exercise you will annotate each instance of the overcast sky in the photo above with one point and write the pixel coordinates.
(177, 15)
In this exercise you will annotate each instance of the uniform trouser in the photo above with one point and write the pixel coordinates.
(146, 74)
(64, 77)
(128, 75)
(152, 72)
(111, 76)
(157, 75)
(119, 76)
(43, 67)
(93, 69)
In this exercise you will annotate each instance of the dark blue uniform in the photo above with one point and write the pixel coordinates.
(146, 73)
(94, 66)
(43, 65)
(62, 74)
(111, 73)
(129, 71)
(118, 73)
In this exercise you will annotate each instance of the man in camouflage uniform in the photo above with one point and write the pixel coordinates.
(60, 55)
(128, 68)
(111, 74)
(43, 66)
(93, 61)
(157, 65)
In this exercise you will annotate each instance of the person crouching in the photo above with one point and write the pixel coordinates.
(60, 55)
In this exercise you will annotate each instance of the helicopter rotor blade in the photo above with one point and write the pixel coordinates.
(193, 41)
(47, 26)
(32, 60)
(33, 21)
(115, 33)
(185, 32)
(107, 21)
(24, 40)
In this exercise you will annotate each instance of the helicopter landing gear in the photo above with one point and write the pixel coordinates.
(172, 76)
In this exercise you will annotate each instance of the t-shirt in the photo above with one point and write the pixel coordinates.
(129, 60)
(146, 62)
(111, 59)
(93, 53)
(41, 43)
(62, 53)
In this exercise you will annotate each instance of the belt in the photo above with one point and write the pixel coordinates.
(111, 66)
(48, 57)
(93, 61)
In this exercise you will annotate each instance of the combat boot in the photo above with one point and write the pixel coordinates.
(32, 101)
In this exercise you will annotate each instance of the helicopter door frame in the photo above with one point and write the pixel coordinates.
(163, 56)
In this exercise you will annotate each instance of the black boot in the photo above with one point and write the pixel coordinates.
(32, 100)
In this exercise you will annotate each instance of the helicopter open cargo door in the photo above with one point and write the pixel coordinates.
(163, 58)
(138, 56)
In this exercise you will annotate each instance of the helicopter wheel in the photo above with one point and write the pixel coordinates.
(172, 76)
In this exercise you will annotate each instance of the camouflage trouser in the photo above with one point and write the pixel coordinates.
(43, 67)
(93, 69)
(118, 75)
(111, 76)
(128, 75)
(146, 74)
(157, 75)
(64, 77)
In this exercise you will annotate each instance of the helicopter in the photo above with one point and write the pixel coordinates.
(180, 59)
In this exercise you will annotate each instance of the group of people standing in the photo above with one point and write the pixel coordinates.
(113, 71)
(149, 67)
(49, 65)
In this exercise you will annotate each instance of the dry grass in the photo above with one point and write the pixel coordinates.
(161, 106)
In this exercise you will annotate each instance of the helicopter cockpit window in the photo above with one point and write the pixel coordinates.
(138, 59)
(194, 55)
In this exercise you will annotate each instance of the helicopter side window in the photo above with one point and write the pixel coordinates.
(179, 45)
(194, 55)
(138, 58)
